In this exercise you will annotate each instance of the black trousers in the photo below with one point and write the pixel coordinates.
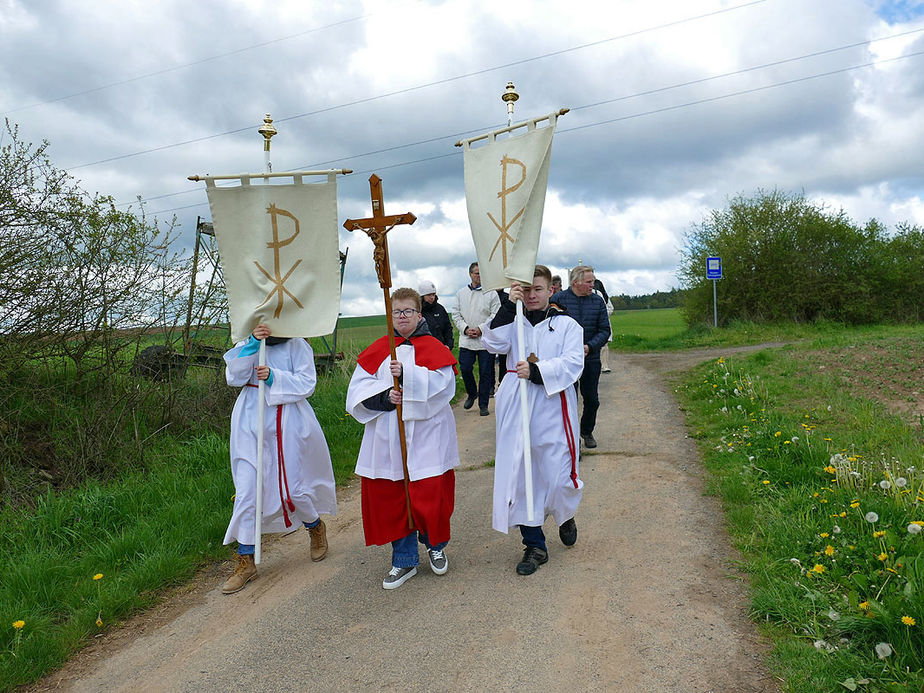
(485, 386)
(587, 386)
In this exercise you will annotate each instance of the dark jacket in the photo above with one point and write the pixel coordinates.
(439, 321)
(590, 312)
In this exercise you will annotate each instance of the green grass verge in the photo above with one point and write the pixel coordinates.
(664, 329)
(143, 531)
(823, 491)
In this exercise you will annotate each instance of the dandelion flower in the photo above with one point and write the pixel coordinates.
(830, 470)
(829, 550)
(914, 529)
(864, 606)
(883, 556)
(855, 504)
(766, 481)
(19, 625)
(98, 576)
(872, 517)
(824, 535)
(878, 534)
(836, 529)
(795, 439)
(99, 623)
(908, 621)
(795, 561)
(777, 434)
(819, 568)
(833, 615)
(901, 482)
(883, 650)
(885, 484)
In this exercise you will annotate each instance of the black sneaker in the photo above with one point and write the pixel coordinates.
(470, 400)
(589, 441)
(568, 532)
(533, 557)
(484, 411)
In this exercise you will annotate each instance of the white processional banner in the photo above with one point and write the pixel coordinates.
(505, 183)
(280, 255)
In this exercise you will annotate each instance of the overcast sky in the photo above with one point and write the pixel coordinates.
(677, 105)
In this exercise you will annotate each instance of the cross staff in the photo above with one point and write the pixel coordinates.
(376, 227)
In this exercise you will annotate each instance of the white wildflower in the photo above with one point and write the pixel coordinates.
(914, 529)
(855, 474)
(835, 530)
(724, 410)
(833, 615)
(901, 482)
(872, 517)
(885, 484)
(883, 650)
(795, 438)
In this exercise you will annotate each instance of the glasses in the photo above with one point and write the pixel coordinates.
(406, 313)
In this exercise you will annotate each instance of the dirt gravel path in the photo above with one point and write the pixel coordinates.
(648, 599)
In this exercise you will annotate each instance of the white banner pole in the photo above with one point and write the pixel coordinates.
(267, 130)
(524, 416)
(261, 411)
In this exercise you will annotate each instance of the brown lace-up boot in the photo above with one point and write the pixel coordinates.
(244, 572)
(318, 541)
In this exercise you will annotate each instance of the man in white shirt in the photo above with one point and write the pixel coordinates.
(473, 308)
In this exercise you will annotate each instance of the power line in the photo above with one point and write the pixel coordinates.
(422, 86)
(185, 65)
(740, 93)
(655, 111)
(454, 136)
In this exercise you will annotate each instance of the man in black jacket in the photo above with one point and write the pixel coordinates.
(590, 311)
(437, 318)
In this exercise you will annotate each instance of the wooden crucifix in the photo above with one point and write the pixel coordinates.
(376, 227)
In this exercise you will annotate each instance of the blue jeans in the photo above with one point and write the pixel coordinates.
(587, 386)
(404, 551)
(485, 387)
(250, 549)
(533, 536)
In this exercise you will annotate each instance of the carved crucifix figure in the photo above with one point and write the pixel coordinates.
(376, 227)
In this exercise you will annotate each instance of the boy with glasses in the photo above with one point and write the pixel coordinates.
(425, 369)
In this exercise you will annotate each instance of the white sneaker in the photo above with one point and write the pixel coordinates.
(439, 564)
(398, 576)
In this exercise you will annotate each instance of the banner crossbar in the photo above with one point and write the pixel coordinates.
(280, 174)
(531, 124)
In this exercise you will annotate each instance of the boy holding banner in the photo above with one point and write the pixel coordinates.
(425, 369)
(555, 348)
(298, 478)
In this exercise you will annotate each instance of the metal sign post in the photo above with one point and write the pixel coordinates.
(714, 272)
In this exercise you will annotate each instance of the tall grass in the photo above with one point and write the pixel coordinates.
(142, 527)
(823, 493)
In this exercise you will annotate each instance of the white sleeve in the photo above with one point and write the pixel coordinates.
(298, 383)
(362, 386)
(239, 369)
(563, 370)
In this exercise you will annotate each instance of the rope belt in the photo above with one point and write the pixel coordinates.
(285, 499)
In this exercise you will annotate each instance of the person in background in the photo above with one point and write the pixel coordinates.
(436, 316)
(587, 308)
(556, 284)
(474, 307)
(605, 351)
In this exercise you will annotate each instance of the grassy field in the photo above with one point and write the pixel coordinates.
(817, 451)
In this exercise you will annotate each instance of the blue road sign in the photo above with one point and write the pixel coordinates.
(713, 268)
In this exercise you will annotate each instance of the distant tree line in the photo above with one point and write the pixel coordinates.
(786, 258)
(659, 299)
